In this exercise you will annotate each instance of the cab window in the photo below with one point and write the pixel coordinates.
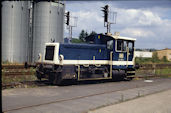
(124, 45)
(121, 45)
(130, 46)
(110, 45)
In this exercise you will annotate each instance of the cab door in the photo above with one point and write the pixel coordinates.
(110, 49)
(130, 50)
(120, 50)
(120, 54)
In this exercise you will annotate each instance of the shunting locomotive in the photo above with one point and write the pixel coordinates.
(106, 57)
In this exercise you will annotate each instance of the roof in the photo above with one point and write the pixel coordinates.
(120, 37)
(164, 49)
(107, 37)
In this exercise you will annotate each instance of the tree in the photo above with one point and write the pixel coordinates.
(155, 57)
(83, 35)
(93, 33)
(86, 34)
(164, 59)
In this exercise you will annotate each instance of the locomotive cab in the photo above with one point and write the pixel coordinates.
(122, 57)
(108, 57)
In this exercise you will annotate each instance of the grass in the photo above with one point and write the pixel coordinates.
(165, 71)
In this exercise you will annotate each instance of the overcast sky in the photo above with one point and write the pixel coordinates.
(147, 21)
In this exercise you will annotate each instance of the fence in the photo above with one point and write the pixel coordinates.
(162, 70)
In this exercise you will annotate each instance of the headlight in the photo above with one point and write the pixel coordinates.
(61, 57)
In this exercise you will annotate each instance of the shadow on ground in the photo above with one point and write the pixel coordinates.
(74, 82)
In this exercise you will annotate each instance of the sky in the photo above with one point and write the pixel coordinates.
(147, 21)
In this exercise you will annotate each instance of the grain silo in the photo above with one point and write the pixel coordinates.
(15, 28)
(48, 25)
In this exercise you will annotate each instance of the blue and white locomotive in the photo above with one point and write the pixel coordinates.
(105, 57)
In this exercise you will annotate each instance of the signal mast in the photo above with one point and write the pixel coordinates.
(70, 22)
(109, 17)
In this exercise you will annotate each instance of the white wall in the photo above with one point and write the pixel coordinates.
(143, 54)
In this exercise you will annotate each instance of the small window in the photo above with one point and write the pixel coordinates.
(130, 46)
(49, 52)
(110, 44)
(124, 45)
(121, 45)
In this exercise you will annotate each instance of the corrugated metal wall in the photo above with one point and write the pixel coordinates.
(15, 31)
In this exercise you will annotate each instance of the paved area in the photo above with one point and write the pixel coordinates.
(155, 103)
(77, 98)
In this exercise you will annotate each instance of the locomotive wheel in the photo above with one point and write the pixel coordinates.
(38, 70)
(55, 78)
(38, 75)
(117, 75)
(58, 79)
(51, 78)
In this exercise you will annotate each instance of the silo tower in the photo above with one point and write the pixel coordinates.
(15, 31)
(48, 25)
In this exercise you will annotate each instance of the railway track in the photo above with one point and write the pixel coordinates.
(14, 71)
(16, 84)
(25, 84)
(15, 75)
(13, 66)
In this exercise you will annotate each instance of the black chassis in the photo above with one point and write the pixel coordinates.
(58, 73)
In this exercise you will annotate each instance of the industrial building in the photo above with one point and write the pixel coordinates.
(164, 52)
(143, 54)
(27, 26)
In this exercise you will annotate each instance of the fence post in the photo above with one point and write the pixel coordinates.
(154, 69)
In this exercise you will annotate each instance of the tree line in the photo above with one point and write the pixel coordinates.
(82, 36)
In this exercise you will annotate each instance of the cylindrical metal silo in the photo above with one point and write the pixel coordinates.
(48, 25)
(15, 27)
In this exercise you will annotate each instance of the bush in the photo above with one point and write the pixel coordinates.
(75, 40)
(143, 60)
(164, 59)
(155, 58)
